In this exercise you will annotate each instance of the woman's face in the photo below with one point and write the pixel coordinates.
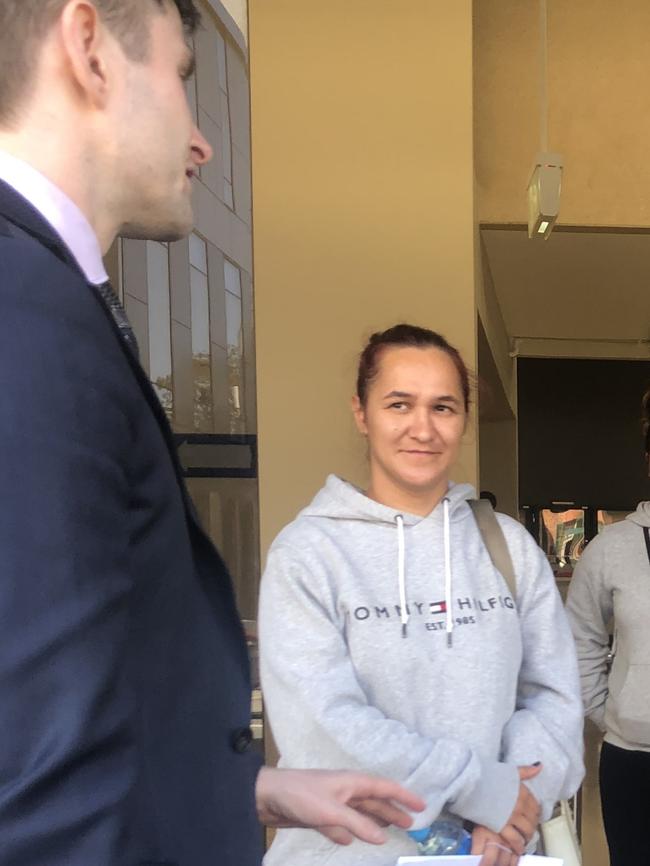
(414, 419)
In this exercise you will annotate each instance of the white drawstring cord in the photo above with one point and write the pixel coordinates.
(449, 617)
(404, 615)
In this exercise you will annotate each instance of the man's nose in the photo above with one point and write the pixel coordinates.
(202, 150)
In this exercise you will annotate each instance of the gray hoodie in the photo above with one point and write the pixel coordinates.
(612, 579)
(390, 644)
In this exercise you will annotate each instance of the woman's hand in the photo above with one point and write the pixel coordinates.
(522, 824)
(493, 847)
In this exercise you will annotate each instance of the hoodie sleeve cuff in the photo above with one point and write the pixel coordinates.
(491, 800)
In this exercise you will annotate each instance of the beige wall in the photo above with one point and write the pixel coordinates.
(363, 215)
(491, 320)
(497, 427)
(498, 460)
(599, 116)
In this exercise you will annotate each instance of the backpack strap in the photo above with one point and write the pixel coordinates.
(494, 541)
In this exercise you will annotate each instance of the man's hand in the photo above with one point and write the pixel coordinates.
(341, 805)
(521, 825)
(493, 847)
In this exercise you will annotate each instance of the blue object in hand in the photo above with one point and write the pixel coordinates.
(442, 837)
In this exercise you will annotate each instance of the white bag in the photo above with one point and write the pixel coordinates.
(559, 837)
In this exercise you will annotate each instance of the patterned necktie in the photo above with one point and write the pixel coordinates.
(119, 316)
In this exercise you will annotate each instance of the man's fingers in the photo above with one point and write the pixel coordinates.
(339, 835)
(374, 788)
(384, 812)
(360, 825)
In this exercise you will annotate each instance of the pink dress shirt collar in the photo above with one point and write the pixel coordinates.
(59, 211)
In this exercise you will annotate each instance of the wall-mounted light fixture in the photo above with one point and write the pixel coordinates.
(545, 181)
(544, 194)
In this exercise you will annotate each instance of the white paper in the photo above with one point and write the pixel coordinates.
(474, 860)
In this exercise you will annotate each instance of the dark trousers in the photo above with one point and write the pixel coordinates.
(625, 797)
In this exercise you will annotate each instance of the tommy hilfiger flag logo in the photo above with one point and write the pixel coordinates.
(438, 607)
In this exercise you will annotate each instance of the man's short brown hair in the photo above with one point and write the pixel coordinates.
(25, 23)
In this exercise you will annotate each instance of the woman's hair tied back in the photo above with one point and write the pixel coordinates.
(405, 335)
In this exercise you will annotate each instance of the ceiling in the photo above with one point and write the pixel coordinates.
(578, 285)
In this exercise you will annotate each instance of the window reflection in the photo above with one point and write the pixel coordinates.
(606, 518)
(226, 133)
(158, 310)
(563, 540)
(200, 314)
(234, 339)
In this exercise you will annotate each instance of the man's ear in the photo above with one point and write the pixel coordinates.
(359, 416)
(87, 50)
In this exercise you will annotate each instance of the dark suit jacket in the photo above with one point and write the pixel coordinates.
(124, 684)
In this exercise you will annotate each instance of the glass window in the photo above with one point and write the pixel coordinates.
(200, 320)
(235, 340)
(198, 253)
(605, 518)
(233, 322)
(228, 196)
(226, 133)
(159, 312)
(232, 276)
(226, 138)
(563, 540)
(221, 62)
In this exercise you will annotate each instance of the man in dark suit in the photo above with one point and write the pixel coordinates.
(124, 689)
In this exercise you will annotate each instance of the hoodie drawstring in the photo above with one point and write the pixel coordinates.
(449, 618)
(401, 573)
(404, 614)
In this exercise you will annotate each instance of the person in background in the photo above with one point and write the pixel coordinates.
(611, 583)
(491, 498)
(124, 685)
(389, 642)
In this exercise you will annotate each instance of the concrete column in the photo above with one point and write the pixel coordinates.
(363, 211)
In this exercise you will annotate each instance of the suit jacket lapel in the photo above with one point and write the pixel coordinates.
(19, 211)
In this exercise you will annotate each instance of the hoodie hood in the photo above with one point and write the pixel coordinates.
(642, 514)
(340, 500)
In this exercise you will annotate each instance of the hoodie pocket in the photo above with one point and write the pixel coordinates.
(631, 708)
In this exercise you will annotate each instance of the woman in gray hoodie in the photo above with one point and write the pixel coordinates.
(390, 642)
(612, 581)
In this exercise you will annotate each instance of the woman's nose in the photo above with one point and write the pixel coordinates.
(422, 425)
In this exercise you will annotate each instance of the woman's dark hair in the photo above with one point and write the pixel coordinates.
(645, 408)
(405, 335)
